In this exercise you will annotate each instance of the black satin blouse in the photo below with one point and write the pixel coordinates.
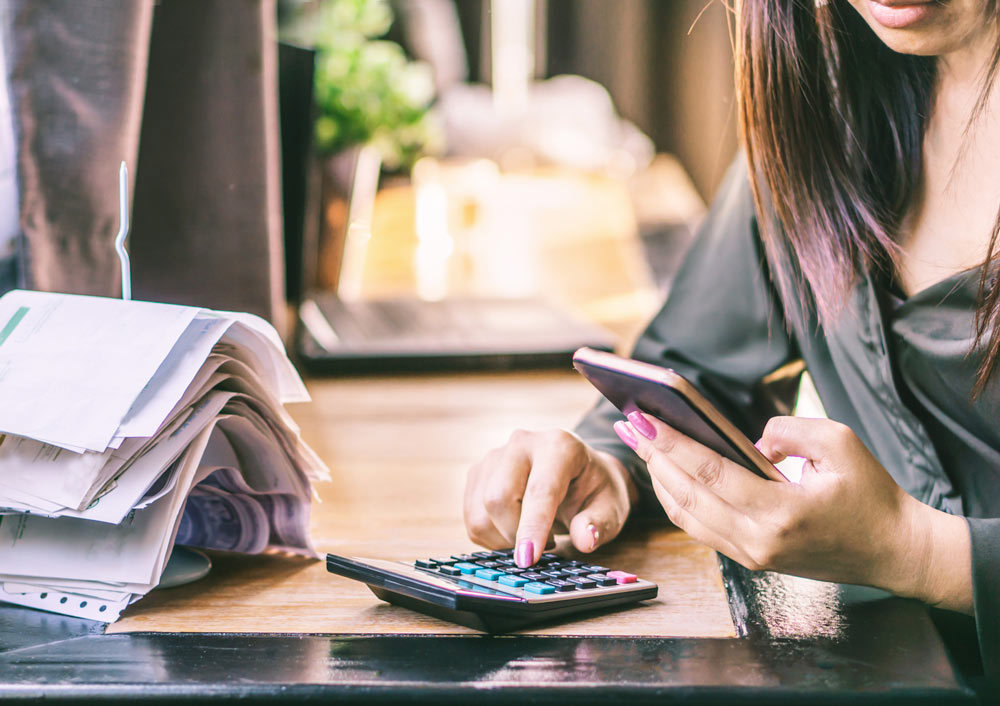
(898, 373)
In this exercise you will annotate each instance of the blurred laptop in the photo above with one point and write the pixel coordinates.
(450, 334)
(341, 335)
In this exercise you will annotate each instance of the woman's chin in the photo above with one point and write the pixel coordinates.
(922, 28)
(911, 42)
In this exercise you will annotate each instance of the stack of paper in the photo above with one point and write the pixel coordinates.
(126, 426)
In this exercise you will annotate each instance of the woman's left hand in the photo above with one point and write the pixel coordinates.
(846, 520)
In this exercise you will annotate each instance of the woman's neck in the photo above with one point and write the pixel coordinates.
(950, 222)
(960, 83)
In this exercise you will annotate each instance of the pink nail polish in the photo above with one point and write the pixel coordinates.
(525, 554)
(595, 536)
(642, 424)
(625, 434)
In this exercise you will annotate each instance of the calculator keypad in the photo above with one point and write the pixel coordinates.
(551, 575)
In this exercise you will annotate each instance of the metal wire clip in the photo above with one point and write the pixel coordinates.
(122, 232)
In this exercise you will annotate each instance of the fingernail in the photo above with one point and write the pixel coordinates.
(642, 424)
(625, 434)
(525, 554)
(595, 536)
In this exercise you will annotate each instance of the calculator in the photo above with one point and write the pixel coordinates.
(487, 591)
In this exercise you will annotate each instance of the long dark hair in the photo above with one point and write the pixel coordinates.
(833, 121)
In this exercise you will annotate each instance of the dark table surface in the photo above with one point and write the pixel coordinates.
(800, 642)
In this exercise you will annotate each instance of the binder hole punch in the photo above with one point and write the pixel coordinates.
(80, 608)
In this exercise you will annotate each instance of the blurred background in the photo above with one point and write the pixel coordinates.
(383, 179)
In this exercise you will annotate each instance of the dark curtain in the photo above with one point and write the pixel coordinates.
(76, 72)
(185, 91)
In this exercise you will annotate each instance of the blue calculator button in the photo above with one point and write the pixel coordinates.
(540, 588)
(515, 581)
(467, 568)
(489, 574)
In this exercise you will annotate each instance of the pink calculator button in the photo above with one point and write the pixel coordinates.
(622, 577)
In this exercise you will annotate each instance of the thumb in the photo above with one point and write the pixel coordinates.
(813, 439)
(770, 452)
(597, 522)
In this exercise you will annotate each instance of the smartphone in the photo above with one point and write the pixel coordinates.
(632, 385)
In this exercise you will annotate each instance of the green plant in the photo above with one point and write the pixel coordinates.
(366, 89)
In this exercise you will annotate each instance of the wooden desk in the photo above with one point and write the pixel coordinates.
(399, 449)
(265, 629)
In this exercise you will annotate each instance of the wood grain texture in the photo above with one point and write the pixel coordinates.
(399, 449)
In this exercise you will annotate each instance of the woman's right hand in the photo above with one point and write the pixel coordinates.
(517, 492)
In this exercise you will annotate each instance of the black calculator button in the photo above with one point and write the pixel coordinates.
(463, 557)
(426, 563)
(582, 582)
(506, 562)
(555, 574)
(488, 564)
(444, 561)
(549, 557)
(449, 570)
(573, 571)
(561, 585)
(513, 570)
(602, 580)
(595, 569)
(484, 555)
(533, 576)
(505, 552)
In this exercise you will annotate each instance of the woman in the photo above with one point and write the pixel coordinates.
(858, 235)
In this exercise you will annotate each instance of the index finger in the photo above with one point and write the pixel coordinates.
(732, 482)
(551, 473)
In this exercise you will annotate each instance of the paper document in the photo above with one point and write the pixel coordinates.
(71, 367)
(130, 427)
